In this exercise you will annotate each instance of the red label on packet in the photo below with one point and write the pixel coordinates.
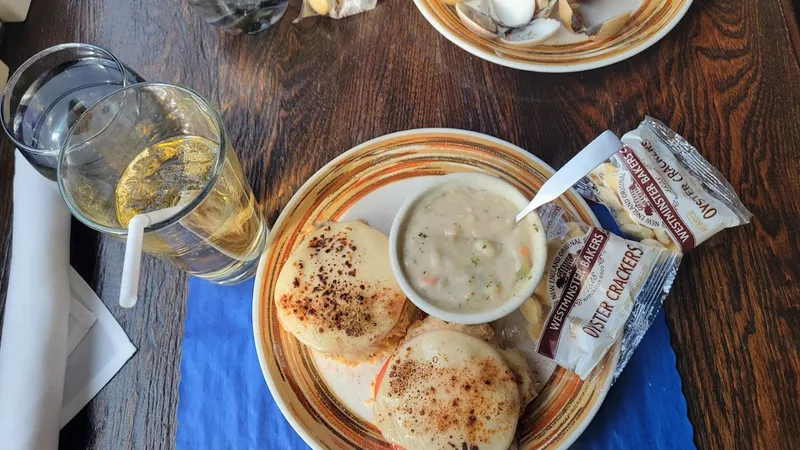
(657, 198)
(581, 268)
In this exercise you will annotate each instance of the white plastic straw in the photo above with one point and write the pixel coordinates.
(129, 288)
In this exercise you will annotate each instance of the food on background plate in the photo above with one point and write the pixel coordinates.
(451, 386)
(532, 34)
(662, 192)
(574, 22)
(530, 23)
(336, 294)
(477, 21)
(461, 250)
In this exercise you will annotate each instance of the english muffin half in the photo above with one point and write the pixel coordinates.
(450, 386)
(336, 294)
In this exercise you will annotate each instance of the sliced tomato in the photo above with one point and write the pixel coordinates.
(378, 381)
(379, 378)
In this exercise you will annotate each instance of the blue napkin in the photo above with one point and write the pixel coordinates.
(225, 403)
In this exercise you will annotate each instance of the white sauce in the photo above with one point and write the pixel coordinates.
(461, 250)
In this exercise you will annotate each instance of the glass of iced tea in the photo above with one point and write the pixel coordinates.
(154, 146)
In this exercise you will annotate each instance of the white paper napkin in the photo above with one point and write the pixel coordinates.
(33, 349)
(98, 357)
(79, 323)
(40, 388)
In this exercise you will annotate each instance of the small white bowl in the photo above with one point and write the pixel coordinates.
(524, 288)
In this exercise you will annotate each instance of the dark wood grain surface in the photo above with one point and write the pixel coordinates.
(727, 78)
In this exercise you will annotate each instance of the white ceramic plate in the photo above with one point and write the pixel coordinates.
(324, 400)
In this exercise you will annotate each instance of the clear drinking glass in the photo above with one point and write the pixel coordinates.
(153, 146)
(48, 93)
(237, 16)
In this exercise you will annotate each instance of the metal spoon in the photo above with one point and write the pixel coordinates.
(576, 168)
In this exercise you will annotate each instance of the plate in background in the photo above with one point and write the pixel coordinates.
(565, 52)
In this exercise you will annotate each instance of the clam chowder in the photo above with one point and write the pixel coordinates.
(462, 251)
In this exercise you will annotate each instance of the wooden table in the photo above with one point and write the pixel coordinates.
(727, 78)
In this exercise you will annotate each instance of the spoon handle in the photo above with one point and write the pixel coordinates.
(576, 168)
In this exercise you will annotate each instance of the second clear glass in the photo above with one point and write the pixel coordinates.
(47, 94)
